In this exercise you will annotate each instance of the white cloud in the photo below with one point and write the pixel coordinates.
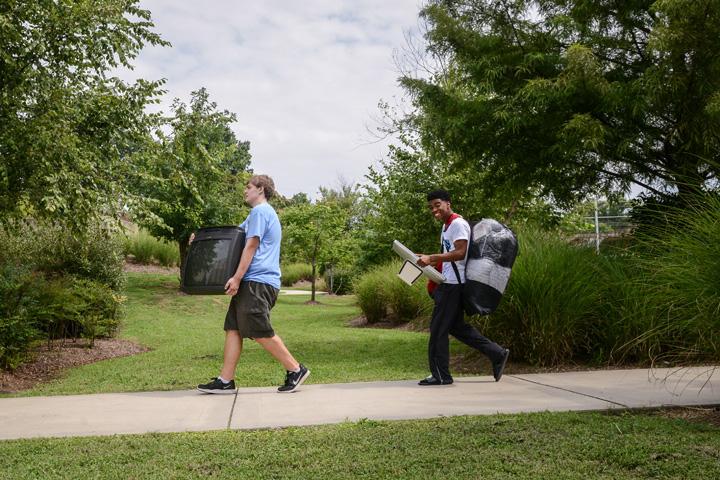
(304, 78)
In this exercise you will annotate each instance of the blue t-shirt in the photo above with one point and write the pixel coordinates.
(264, 223)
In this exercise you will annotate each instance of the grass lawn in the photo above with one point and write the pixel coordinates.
(186, 336)
(539, 446)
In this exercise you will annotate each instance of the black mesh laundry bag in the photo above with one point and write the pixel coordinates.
(212, 259)
(491, 253)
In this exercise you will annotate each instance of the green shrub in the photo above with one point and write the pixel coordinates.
(16, 337)
(167, 254)
(294, 272)
(339, 282)
(54, 284)
(147, 249)
(654, 298)
(626, 311)
(96, 254)
(75, 307)
(382, 296)
(550, 307)
(371, 294)
(17, 331)
(140, 246)
(679, 277)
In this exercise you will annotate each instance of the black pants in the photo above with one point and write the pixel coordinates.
(448, 318)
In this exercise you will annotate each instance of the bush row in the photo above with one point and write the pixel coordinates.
(658, 299)
(96, 254)
(55, 285)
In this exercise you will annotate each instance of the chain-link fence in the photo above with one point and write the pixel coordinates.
(604, 222)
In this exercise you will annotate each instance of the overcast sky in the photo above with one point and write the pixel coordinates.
(304, 78)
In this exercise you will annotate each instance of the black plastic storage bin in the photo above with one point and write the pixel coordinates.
(212, 259)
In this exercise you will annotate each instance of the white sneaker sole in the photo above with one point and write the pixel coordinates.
(300, 382)
(218, 392)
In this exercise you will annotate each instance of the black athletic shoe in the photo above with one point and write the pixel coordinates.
(294, 379)
(499, 366)
(217, 386)
(432, 381)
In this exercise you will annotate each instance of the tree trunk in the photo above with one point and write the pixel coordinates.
(312, 297)
(314, 262)
(183, 246)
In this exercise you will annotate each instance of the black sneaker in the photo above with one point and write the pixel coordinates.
(217, 386)
(432, 381)
(499, 366)
(294, 379)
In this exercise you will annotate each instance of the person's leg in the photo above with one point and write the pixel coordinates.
(296, 373)
(258, 300)
(470, 336)
(445, 310)
(276, 347)
(254, 319)
(231, 354)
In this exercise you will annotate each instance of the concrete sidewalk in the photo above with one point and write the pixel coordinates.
(180, 411)
(301, 292)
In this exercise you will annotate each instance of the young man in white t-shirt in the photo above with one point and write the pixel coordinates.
(448, 317)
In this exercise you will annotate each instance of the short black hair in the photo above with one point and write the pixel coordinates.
(438, 194)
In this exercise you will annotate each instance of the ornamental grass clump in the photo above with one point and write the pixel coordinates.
(383, 297)
(550, 307)
(294, 272)
(147, 249)
(679, 277)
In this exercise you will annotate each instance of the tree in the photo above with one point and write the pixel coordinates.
(200, 173)
(71, 137)
(568, 97)
(394, 206)
(279, 202)
(312, 233)
(346, 196)
(343, 253)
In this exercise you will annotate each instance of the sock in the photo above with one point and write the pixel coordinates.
(296, 370)
(223, 380)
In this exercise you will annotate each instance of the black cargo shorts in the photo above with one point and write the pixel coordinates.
(249, 310)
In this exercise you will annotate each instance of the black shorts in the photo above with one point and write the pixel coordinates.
(249, 310)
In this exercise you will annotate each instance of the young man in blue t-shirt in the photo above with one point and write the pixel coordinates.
(254, 289)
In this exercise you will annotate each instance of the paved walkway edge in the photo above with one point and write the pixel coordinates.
(252, 408)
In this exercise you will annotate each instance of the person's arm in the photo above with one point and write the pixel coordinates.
(251, 246)
(455, 256)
